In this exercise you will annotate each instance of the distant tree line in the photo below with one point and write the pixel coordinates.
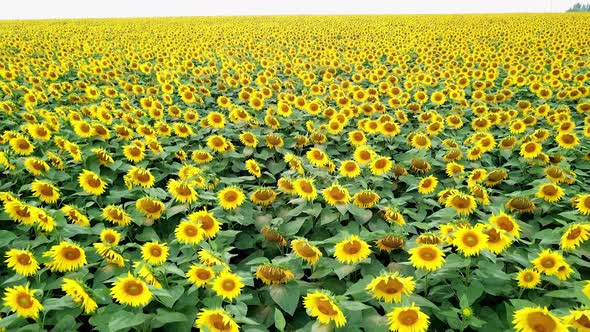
(579, 8)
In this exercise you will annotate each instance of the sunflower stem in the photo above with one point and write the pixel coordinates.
(426, 284)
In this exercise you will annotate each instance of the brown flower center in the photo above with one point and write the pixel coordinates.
(540, 322)
(70, 253)
(24, 259)
(408, 317)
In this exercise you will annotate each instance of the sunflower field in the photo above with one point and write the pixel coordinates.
(312, 173)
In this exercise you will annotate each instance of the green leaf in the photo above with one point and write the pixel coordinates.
(6, 237)
(286, 296)
(164, 316)
(360, 214)
(123, 320)
(280, 322)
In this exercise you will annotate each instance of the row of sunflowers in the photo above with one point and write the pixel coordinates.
(355, 173)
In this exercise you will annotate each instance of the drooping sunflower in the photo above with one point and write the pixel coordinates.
(207, 221)
(548, 262)
(65, 257)
(306, 251)
(231, 197)
(22, 262)
(21, 212)
(321, 305)
(189, 232)
(75, 216)
(182, 191)
(304, 187)
(145, 272)
(470, 241)
(263, 196)
(154, 253)
(200, 275)
(134, 153)
(150, 207)
(427, 256)
(537, 319)
(497, 240)
(351, 250)
(216, 320)
(462, 203)
(91, 183)
(336, 194)
(317, 157)
(520, 204)
(21, 146)
(408, 319)
(427, 185)
(108, 253)
(390, 287)
(574, 236)
(366, 199)
(253, 168)
(210, 258)
(131, 291)
(78, 293)
(273, 274)
(46, 192)
(22, 300)
(228, 285)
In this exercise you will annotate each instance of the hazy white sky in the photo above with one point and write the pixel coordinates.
(29, 9)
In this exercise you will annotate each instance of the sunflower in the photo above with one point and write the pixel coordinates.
(470, 241)
(454, 168)
(421, 141)
(495, 177)
(91, 183)
(215, 120)
(506, 223)
(217, 143)
(390, 287)
(574, 236)
(36, 166)
(351, 250)
(116, 215)
(427, 256)
(350, 169)
(46, 192)
(420, 165)
(462, 203)
(497, 240)
(201, 156)
(317, 157)
(22, 262)
(550, 192)
(131, 291)
(22, 300)
(182, 191)
(154, 253)
(582, 203)
(567, 140)
(65, 257)
(152, 208)
(228, 285)
(408, 319)
(528, 278)
(321, 305)
(392, 215)
(263, 196)
(548, 262)
(216, 320)
(427, 185)
(77, 292)
(133, 153)
(207, 221)
(363, 154)
(564, 272)
(144, 271)
(189, 232)
(75, 216)
(578, 319)
(366, 199)
(140, 177)
(200, 275)
(231, 197)
(336, 194)
(536, 319)
(380, 165)
(306, 251)
(21, 212)
(530, 150)
(273, 274)
(356, 138)
(21, 146)
(304, 187)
